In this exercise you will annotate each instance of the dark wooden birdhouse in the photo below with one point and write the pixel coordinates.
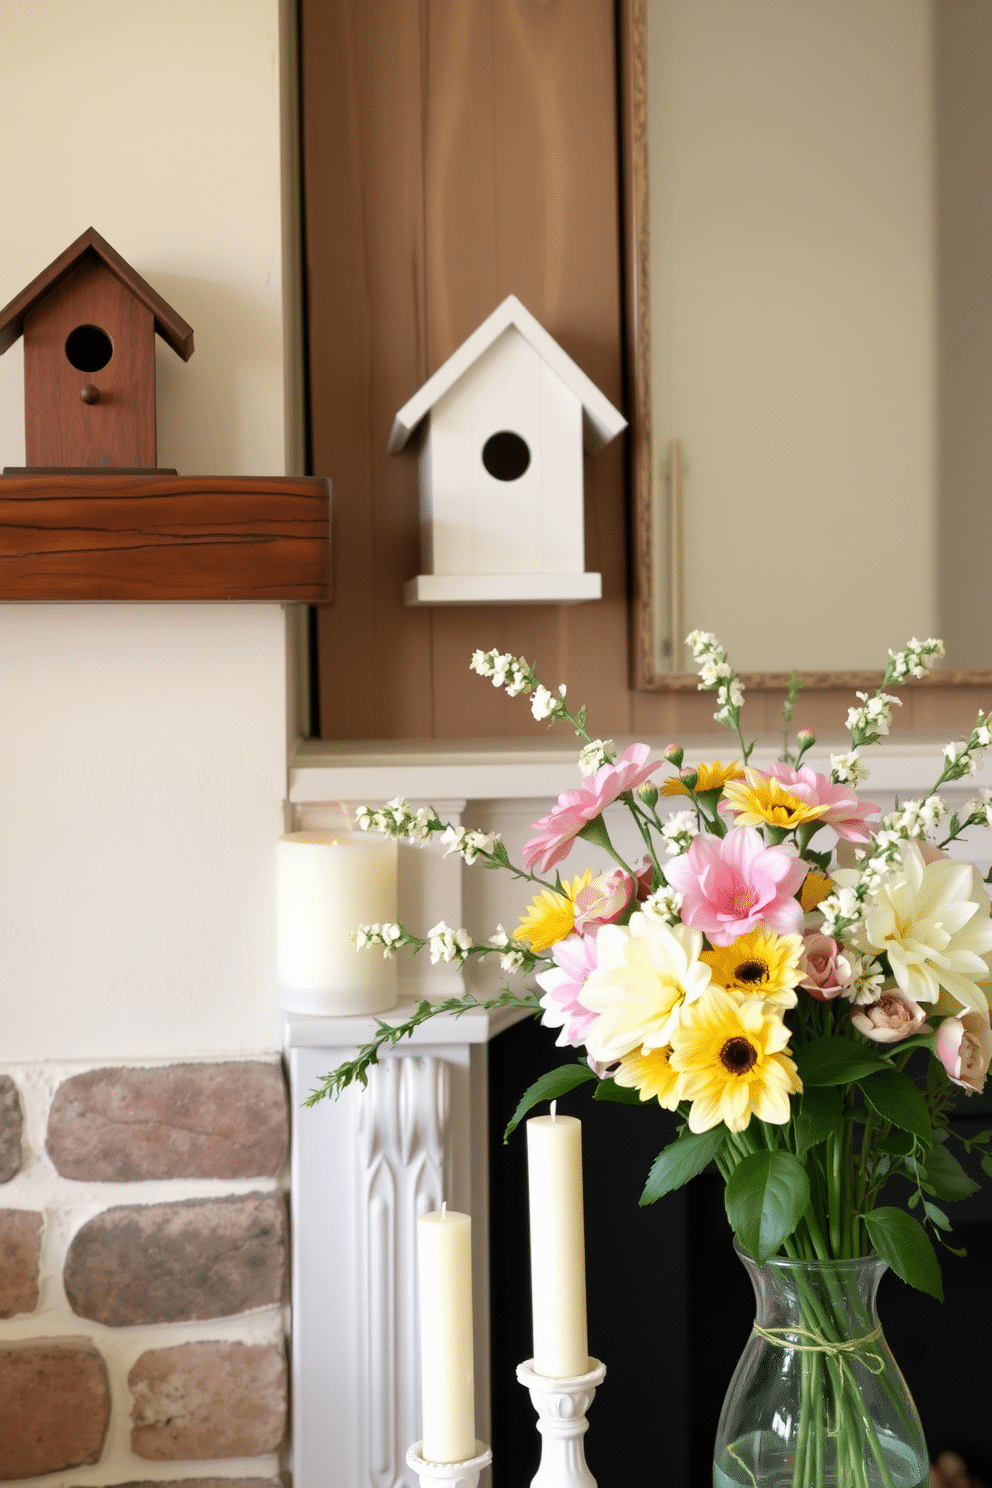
(89, 323)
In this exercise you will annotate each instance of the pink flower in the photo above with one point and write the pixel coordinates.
(730, 885)
(846, 813)
(964, 1048)
(576, 808)
(603, 900)
(826, 970)
(891, 1019)
(575, 957)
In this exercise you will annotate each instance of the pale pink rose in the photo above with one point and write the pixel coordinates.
(575, 957)
(845, 813)
(576, 808)
(964, 1048)
(730, 885)
(603, 900)
(893, 1017)
(826, 970)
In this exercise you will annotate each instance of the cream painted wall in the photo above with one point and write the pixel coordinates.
(143, 747)
(793, 319)
(143, 770)
(159, 125)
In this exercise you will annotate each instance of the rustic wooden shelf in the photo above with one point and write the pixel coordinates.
(135, 536)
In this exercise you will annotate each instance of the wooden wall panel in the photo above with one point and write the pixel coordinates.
(454, 151)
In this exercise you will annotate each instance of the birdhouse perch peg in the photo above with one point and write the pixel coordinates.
(503, 424)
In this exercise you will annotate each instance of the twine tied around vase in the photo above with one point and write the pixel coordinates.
(839, 1351)
(873, 1362)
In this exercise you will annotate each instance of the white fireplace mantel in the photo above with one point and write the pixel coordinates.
(366, 1165)
(364, 1168)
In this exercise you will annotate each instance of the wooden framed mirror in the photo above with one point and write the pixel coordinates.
(809, 324)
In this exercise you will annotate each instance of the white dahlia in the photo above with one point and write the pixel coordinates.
(931, 918)
(647, 972)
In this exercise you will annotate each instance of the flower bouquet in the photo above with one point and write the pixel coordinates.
(809, 1008)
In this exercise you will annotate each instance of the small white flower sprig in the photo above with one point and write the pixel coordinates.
(912, 820)
(401, 820)
(873, 719)
(445, 944)
(516, 674)
(715, 671)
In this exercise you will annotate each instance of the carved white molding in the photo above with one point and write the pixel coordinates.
(364, 1168)
(401, 1126)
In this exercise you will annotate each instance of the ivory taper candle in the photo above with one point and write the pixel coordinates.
(328, 883)
(557, 1246)
(444, 1269)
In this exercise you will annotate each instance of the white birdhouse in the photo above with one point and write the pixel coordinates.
(505, 421)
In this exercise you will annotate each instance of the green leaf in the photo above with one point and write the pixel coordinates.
(898, 1101)
(682, 1160)
(552, 1086)
(818, 1116)
(944, 1175)
(902, 1241)
(987, 1165)
(766, 1196)
(896, 1144)
(936, 1216)
(623, 1095)
(835, 1060)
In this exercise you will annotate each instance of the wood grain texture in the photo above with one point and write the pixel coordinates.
(90, 247)
(59, 427)
(126, 537)
(455, 151)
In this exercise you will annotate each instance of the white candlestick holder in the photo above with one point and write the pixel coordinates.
(449, 1474)
(561, 1406)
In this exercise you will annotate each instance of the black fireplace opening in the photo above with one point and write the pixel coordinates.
(670, 1306)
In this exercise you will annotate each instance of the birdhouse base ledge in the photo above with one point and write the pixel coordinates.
(489, 589)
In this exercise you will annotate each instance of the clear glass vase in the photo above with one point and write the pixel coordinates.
(817, 1400)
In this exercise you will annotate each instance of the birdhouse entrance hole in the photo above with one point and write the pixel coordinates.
(88, 348)
(505, 455)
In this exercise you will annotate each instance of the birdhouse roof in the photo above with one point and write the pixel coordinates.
(601, 422)
(169, 325)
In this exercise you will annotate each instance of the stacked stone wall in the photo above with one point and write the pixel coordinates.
(143, 1274)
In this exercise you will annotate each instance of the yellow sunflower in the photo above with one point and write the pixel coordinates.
(762, 798)
(730, 1053)
(649, 1071)
(759, 964)
(708, 777)
(816, 887)
(551, 916)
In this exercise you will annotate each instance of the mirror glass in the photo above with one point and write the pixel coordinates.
(817, 237)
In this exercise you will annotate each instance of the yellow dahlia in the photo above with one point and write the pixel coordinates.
(761, 798)
(816, 887)
(551, 916)
(730, 1053)
(759, 964)
(708, 777)
(649, 1071)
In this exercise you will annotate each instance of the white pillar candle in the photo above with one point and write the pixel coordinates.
(557, 1246)
(328, 883)
(444, 1269)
